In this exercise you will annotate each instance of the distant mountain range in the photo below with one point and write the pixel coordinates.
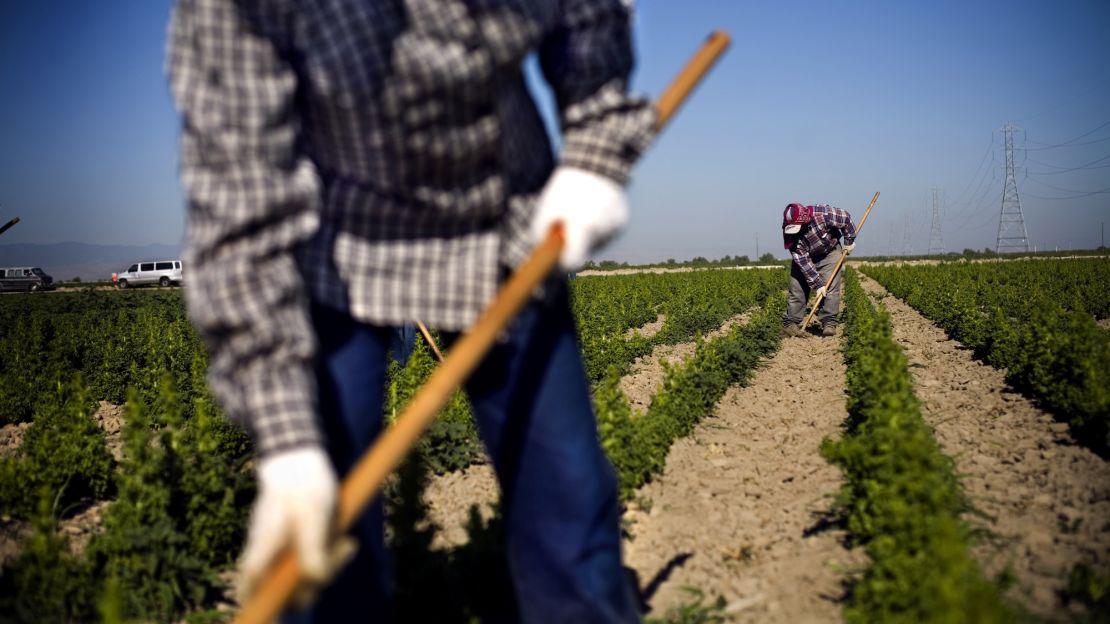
(64, 261)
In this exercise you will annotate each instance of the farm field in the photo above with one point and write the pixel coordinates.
(895, 471)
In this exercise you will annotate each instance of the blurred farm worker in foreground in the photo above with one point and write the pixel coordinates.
(355, 166)
(812, 234)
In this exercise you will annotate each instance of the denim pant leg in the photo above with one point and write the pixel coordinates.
(797, 292)
(351, 368)
(533, 408)
(830, 306)
(402, 342)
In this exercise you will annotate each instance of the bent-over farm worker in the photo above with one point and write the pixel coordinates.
(812, 234)
(352, 167)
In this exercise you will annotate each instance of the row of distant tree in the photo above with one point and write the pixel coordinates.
(769, 258)
(696, 262)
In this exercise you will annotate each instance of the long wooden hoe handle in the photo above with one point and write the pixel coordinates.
(428, 338)
(362, 483)
(817, 300)
(683, 84)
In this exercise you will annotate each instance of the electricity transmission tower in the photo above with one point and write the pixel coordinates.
(1012, 235)
(936, 243)
(907, 245)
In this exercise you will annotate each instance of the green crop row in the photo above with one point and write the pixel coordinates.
(605, 308)
(178, 503)
(637, 443)
(900, 499)
(115, 341)
(1035, 319)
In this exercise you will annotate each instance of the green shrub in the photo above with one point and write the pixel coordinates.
(181, 510)
(451, 442)
(1090, 589)
(45, 583)
(63, 453)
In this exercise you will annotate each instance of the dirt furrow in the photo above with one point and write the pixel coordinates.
(1047, 500)
(737, 512)
(450, 497)
(647, 372)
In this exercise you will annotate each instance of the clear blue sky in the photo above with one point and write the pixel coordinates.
(815, 102)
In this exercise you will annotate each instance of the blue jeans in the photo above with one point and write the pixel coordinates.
(402, 342)
(533, 409)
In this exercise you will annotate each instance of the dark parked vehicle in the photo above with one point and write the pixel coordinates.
(29, 279)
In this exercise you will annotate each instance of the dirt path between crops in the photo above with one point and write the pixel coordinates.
(646, 374)
(1048, 500)
(737, 512)
(450, 496)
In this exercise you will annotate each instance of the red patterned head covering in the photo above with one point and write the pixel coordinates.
(793, 218)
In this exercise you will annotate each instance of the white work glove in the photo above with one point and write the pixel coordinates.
(593, 209)
(849, 247)
(821, 292)
(295, 504)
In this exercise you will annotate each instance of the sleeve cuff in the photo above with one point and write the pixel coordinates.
(283, 412)
(607, 133)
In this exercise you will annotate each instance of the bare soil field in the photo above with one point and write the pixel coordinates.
(740, 510)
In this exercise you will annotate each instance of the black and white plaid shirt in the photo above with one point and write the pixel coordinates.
(377, 156)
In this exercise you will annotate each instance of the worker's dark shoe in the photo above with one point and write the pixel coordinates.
(793, 331)
(828, 330)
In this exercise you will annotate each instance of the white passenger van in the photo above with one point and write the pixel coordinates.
(161, 272)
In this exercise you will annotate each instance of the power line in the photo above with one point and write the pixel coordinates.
(1085, 167)
(965, 210)
(976, 206)
(989, 152)
(1057, 188)
(1072, 141)
(1049, 147)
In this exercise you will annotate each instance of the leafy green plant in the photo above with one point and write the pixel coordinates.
(605, 308)
(45, 583)
(1033, 318)
(451, 442)
(63, 454)
(900, 499)
(1090, 589)
(181, 510)
(144, 547)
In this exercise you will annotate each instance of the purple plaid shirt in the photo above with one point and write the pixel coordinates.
(818, 238)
